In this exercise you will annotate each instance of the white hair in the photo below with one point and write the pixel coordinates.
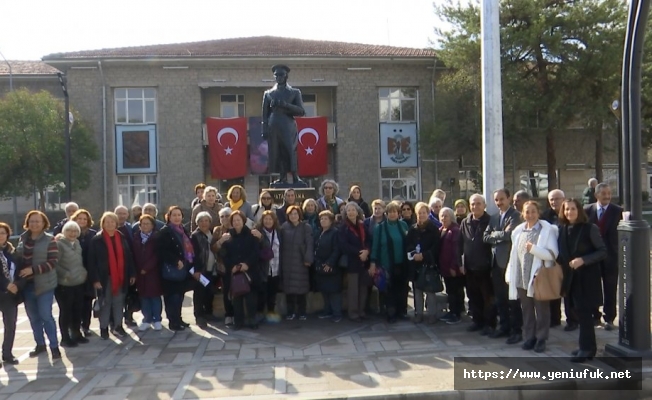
(477, 196)
(71, 226)
(556, 191)
(121, 208)
(435, 201)
(203, 214)
(71, 205)
(151, 205)
(225, 211)
(447, 211)
(336, 187)
(593, 181)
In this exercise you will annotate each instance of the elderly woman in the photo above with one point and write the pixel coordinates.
(270, 238)
(329, 200)
(85, 221)
(240, 257)
(581, 249)
(435, 206)
(354, 255)
(112, 272)
(423, 239)
(148, 274)
(149, 209)
(72, 279)
(388, 253)
(534, 246)
(175, 250)
(199, 195)
(38, 254)
(10, 284)
(438, 194)
(238, 201)
(205, 264)
(408, 213)
(327, 268)
(220, 236)
(265, 203)
(450, 266)
(208, 205)
(296, 258)
(461, 210)
(355, 195)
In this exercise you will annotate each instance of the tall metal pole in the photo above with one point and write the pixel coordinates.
(63, 82)
(14, 200)
(492, 109)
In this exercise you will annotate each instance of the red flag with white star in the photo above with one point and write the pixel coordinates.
(227, 144)
(312, 149)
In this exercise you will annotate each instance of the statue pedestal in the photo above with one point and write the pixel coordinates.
(288, 185)
(302, 193)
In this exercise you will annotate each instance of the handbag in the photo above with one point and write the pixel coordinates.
(173, 273)
(240, 284)
(97, 305)
(343, 262)
(267, 253)
(380, 279)
(429, 280)
(547, 282)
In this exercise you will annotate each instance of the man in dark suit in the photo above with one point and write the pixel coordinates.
(499, 235)
(607, 216)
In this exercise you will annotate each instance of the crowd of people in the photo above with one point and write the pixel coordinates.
(248, 253)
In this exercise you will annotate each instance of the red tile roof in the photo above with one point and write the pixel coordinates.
(263, 46)
(27, 68)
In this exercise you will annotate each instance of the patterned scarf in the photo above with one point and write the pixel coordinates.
(188, 250)
(144, 237)
(5, 266)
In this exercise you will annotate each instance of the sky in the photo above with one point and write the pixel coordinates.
(31, 29)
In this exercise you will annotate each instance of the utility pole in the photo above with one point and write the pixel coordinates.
(14, 200)
(492, 107)
(63, 82)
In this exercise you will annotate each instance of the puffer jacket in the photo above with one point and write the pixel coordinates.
(70, 270)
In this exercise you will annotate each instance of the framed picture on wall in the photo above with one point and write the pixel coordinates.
(136, 149)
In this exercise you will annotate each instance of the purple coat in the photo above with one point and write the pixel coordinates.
(146, 259)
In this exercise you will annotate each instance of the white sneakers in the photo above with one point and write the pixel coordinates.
(145, 325)
(157, 326)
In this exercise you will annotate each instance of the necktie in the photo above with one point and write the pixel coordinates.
(600, 212)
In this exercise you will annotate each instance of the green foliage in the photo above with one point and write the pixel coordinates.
(32, 142)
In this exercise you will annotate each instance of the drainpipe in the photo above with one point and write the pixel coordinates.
(104, 161)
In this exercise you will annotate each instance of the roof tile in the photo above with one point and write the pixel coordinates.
(28, 67)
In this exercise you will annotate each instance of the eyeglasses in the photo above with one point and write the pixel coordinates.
(406, 209)
(328, 187)
(265, 198)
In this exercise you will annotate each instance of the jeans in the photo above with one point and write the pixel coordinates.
(39, 312)
(9, 309)
(333, 304)
(294, 301)
(173, 305)
(151, 308)
(112, 306)
(70, 300)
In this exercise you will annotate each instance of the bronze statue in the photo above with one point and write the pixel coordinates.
(281, 104)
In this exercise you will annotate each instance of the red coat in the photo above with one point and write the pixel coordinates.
(146, 259)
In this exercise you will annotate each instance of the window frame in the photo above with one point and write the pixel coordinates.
(120, 130)
(400, 98)
(409, 181)
(310, 103)
(237, 104)
(151, 189)
(126, 99)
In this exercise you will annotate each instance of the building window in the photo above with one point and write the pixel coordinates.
(610, 177)
(310, 104)
(136, 149)
(535, 182)
(399, 184)
(135, 105)
(137, 190)
(232, 105)
(397, 104)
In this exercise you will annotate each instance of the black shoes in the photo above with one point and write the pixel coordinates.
(515, 338)
(609, 326)
(580, 356)
(56, 353)
(185, 324)
(177, 328)
(474, 328)
(130, 323)
(487, 331)
(570, 326)
(529, 344)
(119, 332)
(68, 342)
(201, 322)
(554, 324)
(37, 350)
(81, 339)
(499, 333)
(10, 360)
(540, 346)
(104, 333)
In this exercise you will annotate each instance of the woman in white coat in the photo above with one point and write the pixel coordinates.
(534, 246)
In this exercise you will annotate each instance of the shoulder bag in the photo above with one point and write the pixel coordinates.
(173, 273)
(547, 282)
(240, 284)
(429, 280)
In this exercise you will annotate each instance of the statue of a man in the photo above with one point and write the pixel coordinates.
(281, 104)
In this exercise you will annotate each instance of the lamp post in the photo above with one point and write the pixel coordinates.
(63, 82)
(634, 338)
(14, 200)
(615, 107)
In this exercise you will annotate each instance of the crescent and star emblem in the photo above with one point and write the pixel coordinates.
(310, 131)
(228, 150)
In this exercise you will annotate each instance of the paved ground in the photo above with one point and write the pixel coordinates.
(313, 359)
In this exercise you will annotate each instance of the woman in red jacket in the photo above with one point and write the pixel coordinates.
(450, 265)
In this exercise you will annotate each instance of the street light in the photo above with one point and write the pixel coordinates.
(69, 120)
(615, 107)
(14, 200)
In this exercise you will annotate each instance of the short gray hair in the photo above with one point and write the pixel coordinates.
(336, 187)
(225, 211)
(448, 211)
(356, 206)
(151, 205)
(602, 186)
(477, 196)
(435, 200)
(593, 181)
(553, 192)
(71, 205)
(203, 214)
(522, 195)
(71, 226)
(121, 208)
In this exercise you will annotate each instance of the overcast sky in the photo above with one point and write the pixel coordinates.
(30, 29)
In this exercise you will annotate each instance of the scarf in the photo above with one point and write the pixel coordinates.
(5, 266)
(144, 237)
(357, 229)
(236, 205)
(311, 219)
(116, 261)
(188, 250)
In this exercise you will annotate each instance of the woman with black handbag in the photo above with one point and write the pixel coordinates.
(10, 284)
(327, 268)
(422, 245)
(240, 254)
(176, 253)
(580, 251)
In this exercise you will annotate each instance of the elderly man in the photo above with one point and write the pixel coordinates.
(476, 265)
(607, 216)
(149, 209)
(128, 232)
(435, 205)
(520, 198)
(588, 196)
(70, 208)
(136, 212)
(499, 235)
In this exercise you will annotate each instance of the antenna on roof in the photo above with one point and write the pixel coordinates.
(389, 43)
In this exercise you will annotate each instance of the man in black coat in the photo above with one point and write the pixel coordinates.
(476, 265)
(607, 216)
(499, 235)
(289, 199)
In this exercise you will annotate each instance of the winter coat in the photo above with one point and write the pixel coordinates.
(327, 252)
(85, 242)
(7, 297)
(350, 246)
(98, 261)
(202, 252)
(146, 260)
(170, 250)
(257, 211)
(70, 269)
(450, 259)
(380, 251)
(296, 250)
(476, 253)
(429, 238)
(242, 248)
(213, 211)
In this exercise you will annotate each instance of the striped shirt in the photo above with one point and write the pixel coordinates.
(51, 259)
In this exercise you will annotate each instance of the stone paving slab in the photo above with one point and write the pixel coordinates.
(313, 359)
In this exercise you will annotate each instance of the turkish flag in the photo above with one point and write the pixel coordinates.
(227, 144)
(312, 151)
